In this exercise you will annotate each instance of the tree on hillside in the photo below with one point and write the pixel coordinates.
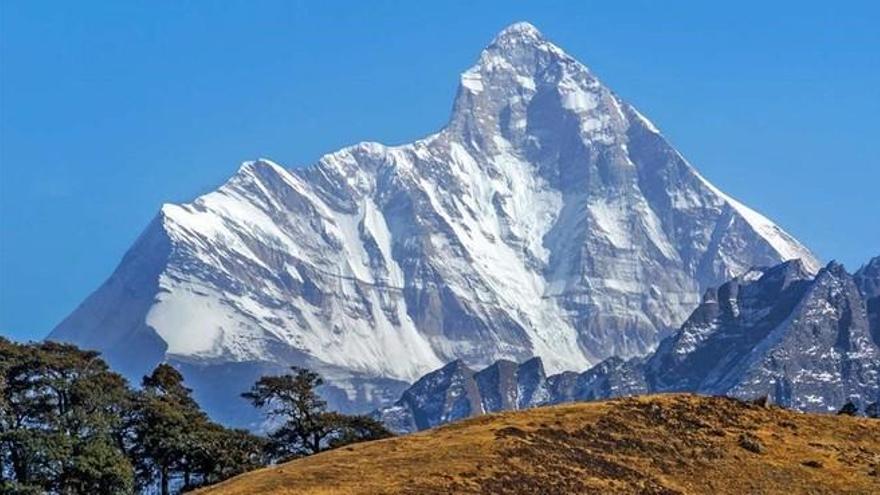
(175, 438)
(307, 427)
(160, 442)
(70, 425)
(60, 423)
(872, 410)
(355, 428)
(223, 453)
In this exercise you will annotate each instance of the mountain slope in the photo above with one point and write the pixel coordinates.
(671, 444)
(548, 218)
(806, 342)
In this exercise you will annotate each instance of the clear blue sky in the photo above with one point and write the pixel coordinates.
(109, 109)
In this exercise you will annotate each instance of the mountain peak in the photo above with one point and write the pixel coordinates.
(544, 215)
(873, 265)
(516, 67)
(518, 32)
(520, 47)
(835, 268)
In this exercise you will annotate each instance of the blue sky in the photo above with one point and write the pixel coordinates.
(109, 109)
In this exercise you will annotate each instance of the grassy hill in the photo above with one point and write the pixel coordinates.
(660, 444)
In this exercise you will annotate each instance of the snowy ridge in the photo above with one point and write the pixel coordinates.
(803, 341)
(781, 241)
(548, 218)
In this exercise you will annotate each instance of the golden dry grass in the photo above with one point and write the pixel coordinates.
(655, 444)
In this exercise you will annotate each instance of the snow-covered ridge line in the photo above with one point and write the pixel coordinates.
(547, 218)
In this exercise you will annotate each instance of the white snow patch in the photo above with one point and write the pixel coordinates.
(610, 218)
(472, 81)
(647, 123)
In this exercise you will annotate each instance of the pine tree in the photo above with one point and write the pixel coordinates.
(308, 428)
(169, 424)
(59, 420)
(175, 438)
(70, 425)
(293, 398)
(352, 429)
(223, 453)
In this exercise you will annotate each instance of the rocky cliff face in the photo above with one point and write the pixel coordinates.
(804, 341)
(548, 218)
(867, 279)
(807, 342)
(455, 392)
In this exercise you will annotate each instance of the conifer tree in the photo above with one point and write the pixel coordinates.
(70, 425)
(60, 421)
(307, 427)
(169, 428)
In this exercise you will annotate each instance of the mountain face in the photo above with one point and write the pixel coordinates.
(548, 218)
(455, 391)
(804, 341)
(807, 342)
(868, 281)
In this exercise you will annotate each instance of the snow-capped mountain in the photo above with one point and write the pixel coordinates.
(806, 342)
(548, 218)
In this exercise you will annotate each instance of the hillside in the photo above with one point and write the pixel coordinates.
(653, 444)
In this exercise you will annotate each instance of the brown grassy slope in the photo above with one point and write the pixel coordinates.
(654, 444)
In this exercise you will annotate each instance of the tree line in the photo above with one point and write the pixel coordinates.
(70, 425)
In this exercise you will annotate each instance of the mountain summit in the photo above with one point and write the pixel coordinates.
(548, 218)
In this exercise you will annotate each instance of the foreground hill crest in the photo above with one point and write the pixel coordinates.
(548, 218)
(671, 444)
